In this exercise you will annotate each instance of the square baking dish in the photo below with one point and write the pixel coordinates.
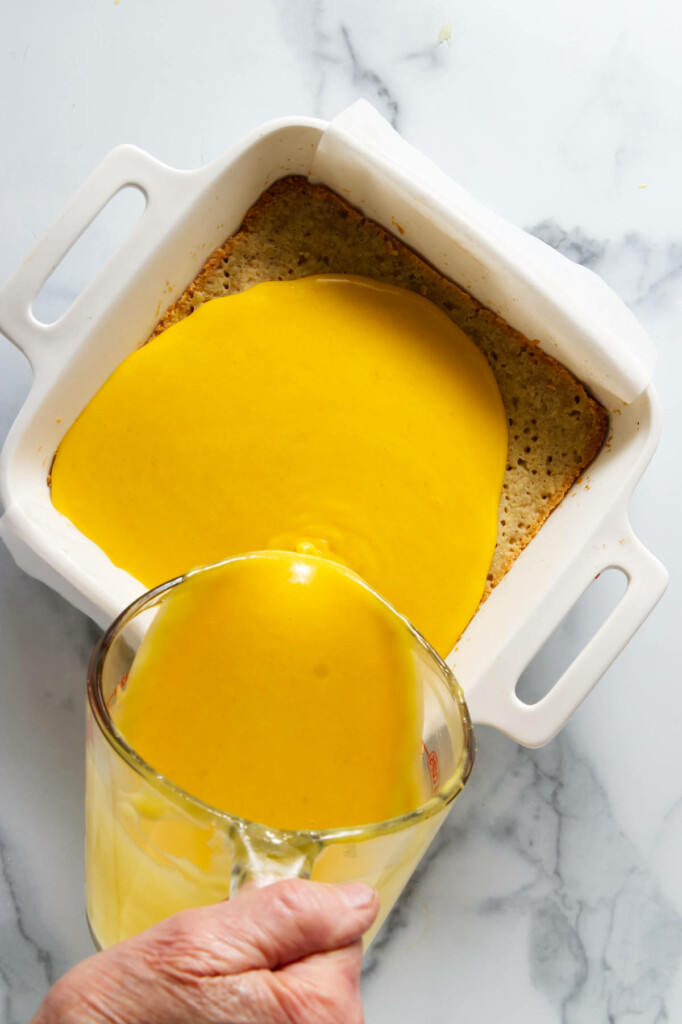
(190, 213)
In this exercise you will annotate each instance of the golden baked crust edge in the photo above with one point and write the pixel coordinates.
(556, 427)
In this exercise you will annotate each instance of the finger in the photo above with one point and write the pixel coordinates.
(268, 927)
(320, 989)
(324, 988)
(291, 920)
(344, 963)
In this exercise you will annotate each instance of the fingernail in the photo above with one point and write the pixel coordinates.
(357, 895)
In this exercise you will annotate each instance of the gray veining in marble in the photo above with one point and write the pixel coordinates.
(553, 892)
(334, 57)
(603, 940)
(27, 962)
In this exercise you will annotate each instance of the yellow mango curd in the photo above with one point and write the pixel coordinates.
(280, 689)
(330, 415)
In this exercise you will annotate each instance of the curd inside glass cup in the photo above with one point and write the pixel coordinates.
(153, 849)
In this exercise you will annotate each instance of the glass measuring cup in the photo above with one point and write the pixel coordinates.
(153, 849)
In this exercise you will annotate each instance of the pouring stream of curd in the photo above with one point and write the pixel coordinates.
(330, 415)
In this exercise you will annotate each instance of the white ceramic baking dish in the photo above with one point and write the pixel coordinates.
(187, 215)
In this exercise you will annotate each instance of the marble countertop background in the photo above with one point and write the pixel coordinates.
(554, 892)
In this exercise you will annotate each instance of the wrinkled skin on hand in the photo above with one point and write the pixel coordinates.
(286, 954)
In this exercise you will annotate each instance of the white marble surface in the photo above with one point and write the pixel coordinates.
(554, 892)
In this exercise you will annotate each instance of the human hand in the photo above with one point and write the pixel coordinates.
(289, 953)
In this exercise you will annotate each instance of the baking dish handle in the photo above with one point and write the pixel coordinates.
(492, 699)
(124, 166)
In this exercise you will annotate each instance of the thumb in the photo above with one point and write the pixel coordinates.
(286, 921)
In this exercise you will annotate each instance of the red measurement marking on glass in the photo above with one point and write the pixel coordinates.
(434, 767)
(120, 685)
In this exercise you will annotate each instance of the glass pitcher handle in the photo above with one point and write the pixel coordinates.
(260, 858)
